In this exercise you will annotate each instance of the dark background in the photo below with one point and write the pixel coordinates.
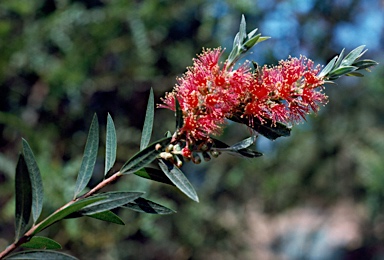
(315, 195)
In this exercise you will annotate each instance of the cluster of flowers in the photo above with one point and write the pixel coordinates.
(210, 91)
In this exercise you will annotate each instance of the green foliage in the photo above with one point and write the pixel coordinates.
(243, 42)
(23, 201)
(110, 145)
(107, 216)
(240, 148)
(154, 175)
(178, 178)
(347, 65)
(148, 122)
(147, 206)
(64, 212)
(108, 201)
(36, 181)
(267, 128)
(144, 157)
(89, 157)
(178, 115)
(45, 254)
(38, 242)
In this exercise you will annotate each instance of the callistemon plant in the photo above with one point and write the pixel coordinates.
(267, 99)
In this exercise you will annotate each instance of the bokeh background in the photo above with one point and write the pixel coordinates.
(318, 194)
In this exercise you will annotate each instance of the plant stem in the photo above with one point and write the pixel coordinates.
(30, 233)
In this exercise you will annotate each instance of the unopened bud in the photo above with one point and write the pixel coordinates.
(169, 148)
(179, 162)
(166, 156)
(196, 158)
(177, 148)
(215, 153)
(204, 148)
(206, 156)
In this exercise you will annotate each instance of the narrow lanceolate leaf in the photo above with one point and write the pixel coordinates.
(145, 157)
(38, 242)
(153, 175)
(353, 56)
(178, 178)
(236, 149)
(268, 129)
(147, 206)
(36, 181)
(336, 73)
(108, 216)
(179, 115)
(111, 200)
(148, 122)
(62, 213)
(363, 64)
(245, 143)
(242, 29)
(89, 157)
(23, 193)
(339, 59)
(110, 145)
(251, 42)
(41, 254)
(328, 68)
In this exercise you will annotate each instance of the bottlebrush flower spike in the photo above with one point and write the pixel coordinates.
(285, 93)
(207, 94)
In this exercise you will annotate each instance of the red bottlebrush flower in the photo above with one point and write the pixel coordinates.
(210, 92)
(207, 94)
(285, 93)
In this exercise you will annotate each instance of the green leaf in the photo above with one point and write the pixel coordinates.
(41, 254)
(252, 33)
(111, 200)
(248, 153)
(339, 58)
(110, 145)
(237, 149)
(263, 38)
(340, 71)
(327, 68)
(144, 157)
(235, 50)
(178, 178)
(36, 181)
(244, 143)
(108, 216)
(251, 42)
(355, 74)
(89, 157)
(38, 242)
(23, 200)
(62, 213)
(242, 30)
(353, 56)
(153, 175)
(148, 122)
(147, 206)
(363, 64)
(179, 115)
(267, 128)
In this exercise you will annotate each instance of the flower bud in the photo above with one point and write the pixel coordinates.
(196, 158)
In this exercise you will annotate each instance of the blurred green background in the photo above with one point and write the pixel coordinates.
(315, 195)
